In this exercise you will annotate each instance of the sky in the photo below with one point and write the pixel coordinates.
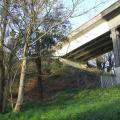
(86, 5)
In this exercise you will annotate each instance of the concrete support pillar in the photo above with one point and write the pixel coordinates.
(118, 75)
(115, 35)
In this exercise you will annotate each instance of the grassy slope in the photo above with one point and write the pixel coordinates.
(74, 104)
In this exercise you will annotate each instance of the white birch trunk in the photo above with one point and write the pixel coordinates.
(21, 84)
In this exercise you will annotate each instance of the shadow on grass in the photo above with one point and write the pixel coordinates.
(110, 111)
(73, 105)
(107, 112)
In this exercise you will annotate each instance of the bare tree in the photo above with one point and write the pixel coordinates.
(27, 18)
(31, 16)
(3, 28)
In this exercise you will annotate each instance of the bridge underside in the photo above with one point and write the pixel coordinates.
(93, 38)
(92, 49)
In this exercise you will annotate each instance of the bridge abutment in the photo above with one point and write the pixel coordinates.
(115, 35)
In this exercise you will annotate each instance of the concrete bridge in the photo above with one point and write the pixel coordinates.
(96, 37)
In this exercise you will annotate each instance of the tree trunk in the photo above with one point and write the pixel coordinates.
(21, 84)
(40, 84)
(2, 83)
(2, 65)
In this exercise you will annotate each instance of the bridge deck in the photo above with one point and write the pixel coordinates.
(92, 38)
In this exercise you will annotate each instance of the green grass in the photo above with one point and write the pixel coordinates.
(74, 104)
